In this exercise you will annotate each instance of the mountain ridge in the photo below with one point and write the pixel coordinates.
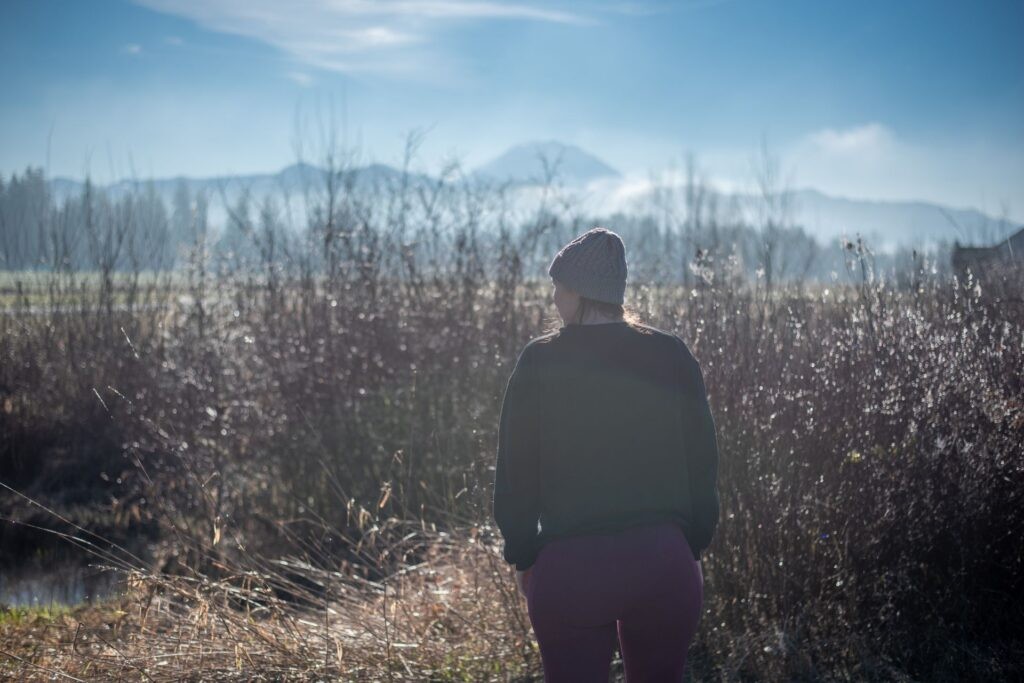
(532, 161)
(825, 216)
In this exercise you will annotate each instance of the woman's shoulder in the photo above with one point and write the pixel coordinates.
(534, 345)
(670, 339)
(664, 337)
(544, 338)
(649, 335)
(649, 330)
(676, 346)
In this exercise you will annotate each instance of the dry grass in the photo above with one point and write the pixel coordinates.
(336, 403)
(456, 616)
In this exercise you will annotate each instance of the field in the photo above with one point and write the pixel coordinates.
(292, 465)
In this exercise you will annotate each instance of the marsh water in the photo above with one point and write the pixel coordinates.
(49, 584)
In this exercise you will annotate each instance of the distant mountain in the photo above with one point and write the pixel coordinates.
(885, 225)
(292, 180)
(286, 188)
(525, 164)
(892, 223)
(598, 190)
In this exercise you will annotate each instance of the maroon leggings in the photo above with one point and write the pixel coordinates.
(640, 586)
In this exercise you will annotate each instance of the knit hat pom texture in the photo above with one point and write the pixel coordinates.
(593, 264)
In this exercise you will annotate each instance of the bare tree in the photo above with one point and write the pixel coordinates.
(774, 214)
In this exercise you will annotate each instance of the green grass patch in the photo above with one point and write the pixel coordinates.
(14, 616)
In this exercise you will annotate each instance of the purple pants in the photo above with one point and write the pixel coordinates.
(640, 587)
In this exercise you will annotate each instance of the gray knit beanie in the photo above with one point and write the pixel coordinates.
(593, 264)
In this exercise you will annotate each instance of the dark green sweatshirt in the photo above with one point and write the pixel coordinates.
(604, 427)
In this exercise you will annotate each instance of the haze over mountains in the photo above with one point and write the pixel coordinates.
(533, 162)
(596, 189)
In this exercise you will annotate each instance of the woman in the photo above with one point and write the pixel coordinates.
(605, 486)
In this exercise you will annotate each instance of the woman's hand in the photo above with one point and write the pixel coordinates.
(523, 579)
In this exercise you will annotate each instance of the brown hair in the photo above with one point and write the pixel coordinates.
(609, 310)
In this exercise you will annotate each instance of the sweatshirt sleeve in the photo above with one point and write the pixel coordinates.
(701, 453)
(517, 482)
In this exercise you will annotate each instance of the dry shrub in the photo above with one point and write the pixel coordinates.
(323, 404)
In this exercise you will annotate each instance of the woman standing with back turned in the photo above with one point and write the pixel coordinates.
(606, 441)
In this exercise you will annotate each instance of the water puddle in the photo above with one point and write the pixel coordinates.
(68, 585)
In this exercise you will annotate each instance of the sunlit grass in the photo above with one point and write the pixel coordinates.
(304, 445)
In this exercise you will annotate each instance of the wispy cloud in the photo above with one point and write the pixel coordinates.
(874, 160)
(868, 139)
(300, 77)
(870, 157)
(649, 8)
(354, 35)
(131, 49)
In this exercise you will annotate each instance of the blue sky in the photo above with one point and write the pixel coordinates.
(913, 100)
